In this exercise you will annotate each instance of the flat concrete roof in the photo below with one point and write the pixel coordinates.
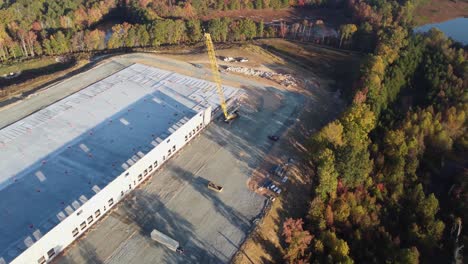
(56, 159)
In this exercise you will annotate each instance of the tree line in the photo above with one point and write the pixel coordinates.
(390, 173)
(52, 27)
(125, 35)
(55, 27)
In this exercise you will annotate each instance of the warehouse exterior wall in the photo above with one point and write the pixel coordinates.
(67, 231)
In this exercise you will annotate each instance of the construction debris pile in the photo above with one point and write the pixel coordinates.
(284, 79)
(231, 59)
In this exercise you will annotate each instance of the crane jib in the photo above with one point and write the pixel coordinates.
(216, 76)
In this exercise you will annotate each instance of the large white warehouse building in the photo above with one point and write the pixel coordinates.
(63, 167)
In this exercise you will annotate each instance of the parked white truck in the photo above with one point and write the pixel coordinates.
(167, 241)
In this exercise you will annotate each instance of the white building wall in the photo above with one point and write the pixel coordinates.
(62, 236)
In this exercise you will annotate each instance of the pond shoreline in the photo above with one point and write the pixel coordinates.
(454, 28)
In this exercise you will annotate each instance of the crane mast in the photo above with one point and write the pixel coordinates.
(217, 77)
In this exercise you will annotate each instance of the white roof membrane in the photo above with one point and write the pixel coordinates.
(56, 159)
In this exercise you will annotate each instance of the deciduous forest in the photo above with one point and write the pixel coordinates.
(55, 27)
(390, 174)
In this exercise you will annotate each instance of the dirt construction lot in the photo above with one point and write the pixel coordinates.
(210, 226)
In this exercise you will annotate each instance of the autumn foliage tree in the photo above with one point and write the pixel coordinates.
(346, 32)
(391, 171)
(298, 239)
(32, 28)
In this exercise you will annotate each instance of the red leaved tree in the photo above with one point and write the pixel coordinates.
(298, 240)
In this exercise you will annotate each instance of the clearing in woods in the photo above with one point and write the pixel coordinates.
(434, 11)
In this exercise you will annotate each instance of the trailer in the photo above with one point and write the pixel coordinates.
(166, 240)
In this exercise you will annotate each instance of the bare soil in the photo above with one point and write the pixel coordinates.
(435, 11)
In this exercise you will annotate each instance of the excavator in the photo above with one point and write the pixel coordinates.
(228, 117)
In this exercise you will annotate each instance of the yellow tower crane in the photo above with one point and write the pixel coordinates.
(217, 78)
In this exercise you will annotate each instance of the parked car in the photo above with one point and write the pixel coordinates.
(280, 171)
(273, 170)
(267, 183)
(273, 138)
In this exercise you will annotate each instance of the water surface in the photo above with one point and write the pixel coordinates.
(456, 28)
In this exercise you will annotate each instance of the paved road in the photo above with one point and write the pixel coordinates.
(209, 225)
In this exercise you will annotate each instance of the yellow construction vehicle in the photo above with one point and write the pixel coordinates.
(217, 78)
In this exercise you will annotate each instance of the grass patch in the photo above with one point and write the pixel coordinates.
(422, 20)
(27, 65)
(35, 79)
(33, 69)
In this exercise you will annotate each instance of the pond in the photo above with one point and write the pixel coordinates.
(456, 28)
